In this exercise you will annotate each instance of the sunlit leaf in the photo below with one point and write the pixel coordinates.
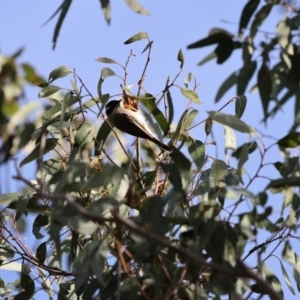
(137, 37)
(291, 140)
(48, 91)
(218, 169)
(136, 7)
(180, 58)
(59, 73)
(106, 9)
(191, 95)
(106, 60)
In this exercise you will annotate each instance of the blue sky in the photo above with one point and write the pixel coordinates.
(172, 25)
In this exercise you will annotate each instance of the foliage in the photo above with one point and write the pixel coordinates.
(273, 57)
(138, 223)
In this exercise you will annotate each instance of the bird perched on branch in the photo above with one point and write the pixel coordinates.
(130, 121)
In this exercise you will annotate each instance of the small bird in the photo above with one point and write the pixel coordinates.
(131, 122)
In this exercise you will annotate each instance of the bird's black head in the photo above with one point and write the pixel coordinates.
(110, 106)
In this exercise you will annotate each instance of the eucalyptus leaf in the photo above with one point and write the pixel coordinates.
(59, 73)
(230, 121)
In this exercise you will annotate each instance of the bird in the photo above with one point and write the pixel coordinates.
(131, 122)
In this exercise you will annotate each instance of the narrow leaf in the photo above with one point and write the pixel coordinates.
(106, 60)
(106, 9)
(229, 120)
(180, 58)
(59, 73)
(102, 135)
(207, 58)
(247, 13)
(50, 145)
(219, 170)
(226, 85)
(191, 95)
(260, 16)
(41, 252)
(48, 91)
(137, 37)
(171, 110)
(291, 140)
(240, 105)
(197, 151)
(136, 7)
(64, 9)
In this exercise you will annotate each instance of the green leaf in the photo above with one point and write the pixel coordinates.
(59, 73)
(252, 146)
(215, 36)
(283, 183)
(180, 58)
(21, 115)
(174, 175)
(291, 140)
(219, 170)
(224, 50)
(147, 46)
(106, 9)
(286, 278)
(8, 198)
(229, 120)
(41, 252)
(28, 286)
(208, 126)
(245, 75)
(240, 105)
(149, 102)
(260, 16)
(106, 60)
(197, 151)
(284, 38)
(226, 85)
(191, 95)
(247, 13)
(189, 119)
(56, 109)
(50, 145)
(180, 160)
(40, 221)
(148, 179)
(136, 7)
(63, 8)
(171, 110)
(242, 159)
(102, 135)
(83, 135)
(48, 91)
(286, 168)
(178, 131)
(264, 83)
(137, 37)
(104, 100)
(107, 72)
(207, 58)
